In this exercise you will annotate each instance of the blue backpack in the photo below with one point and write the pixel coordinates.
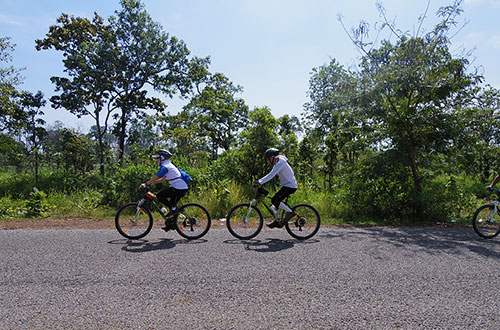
(184, 176)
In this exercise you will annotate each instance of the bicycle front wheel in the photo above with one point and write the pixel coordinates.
(193, 221)
(305, 224)
(244, 222)
(484, 221)
(133, 221)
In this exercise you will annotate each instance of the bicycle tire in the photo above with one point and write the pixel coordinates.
(244, 223)
(192, 221)
(305, 224)
(133, 222)
(484, 223)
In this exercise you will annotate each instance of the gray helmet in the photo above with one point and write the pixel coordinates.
(271, 152)
(163, 154)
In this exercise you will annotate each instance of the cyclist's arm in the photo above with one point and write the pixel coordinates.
(158, 177)
(155, 180)
(277, 167)
(495, 181)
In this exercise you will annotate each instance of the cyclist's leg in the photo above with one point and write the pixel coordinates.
(167, 197)
(276, 200)
(283, 193)
(178, 194)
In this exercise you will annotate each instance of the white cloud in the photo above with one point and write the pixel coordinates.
(10, 20)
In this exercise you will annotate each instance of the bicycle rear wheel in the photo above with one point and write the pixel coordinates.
(133, 221)
(305, 224)
(484, 221)
(193, 221)
(244, 222)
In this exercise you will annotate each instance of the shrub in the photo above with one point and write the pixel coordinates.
(37, 205)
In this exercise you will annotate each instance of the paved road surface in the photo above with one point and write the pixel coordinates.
(405, 278)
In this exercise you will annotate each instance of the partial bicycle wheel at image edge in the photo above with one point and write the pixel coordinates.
(486, 221)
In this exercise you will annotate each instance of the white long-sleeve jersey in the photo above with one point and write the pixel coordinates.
(284, 172)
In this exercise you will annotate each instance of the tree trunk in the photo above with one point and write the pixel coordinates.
(123, 131)
(101, 147)
(36, 166)
(417, 178)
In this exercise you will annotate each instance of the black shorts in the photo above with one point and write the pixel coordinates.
(283, 193)
(171, 196)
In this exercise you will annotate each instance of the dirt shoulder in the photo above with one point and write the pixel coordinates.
(72, 223)
(68, 223)
(82, 223)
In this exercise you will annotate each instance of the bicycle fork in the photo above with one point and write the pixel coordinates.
(138, 211)
(491, 215)
(250, 210)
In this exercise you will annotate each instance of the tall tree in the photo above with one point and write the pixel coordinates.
(288, 128)
(408, 90)
(111, 66)
(259, 135)
(479, 142)
(89, 50)
(33, 125)
(180, 135)
(148, 56)
(217, 112)
(10, 78)
(333, 115)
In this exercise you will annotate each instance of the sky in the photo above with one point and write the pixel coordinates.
(269, 47)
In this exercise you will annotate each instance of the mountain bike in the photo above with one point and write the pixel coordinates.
(484, 218)
(134, 220)
(245, 221)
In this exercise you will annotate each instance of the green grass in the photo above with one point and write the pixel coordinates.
(219, 199)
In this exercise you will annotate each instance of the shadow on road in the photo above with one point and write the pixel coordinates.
(142, 245)
(432, 240)
(270, 245)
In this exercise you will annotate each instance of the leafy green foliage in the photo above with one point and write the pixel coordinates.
(109, 67)
(11, 152)
(10, 78)
(216, 113)
(37, 205)
(407, 136)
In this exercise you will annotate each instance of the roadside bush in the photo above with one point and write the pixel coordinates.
(37, 204)
(379, 188)
(122, 187)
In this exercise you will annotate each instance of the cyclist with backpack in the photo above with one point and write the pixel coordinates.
(288, 184)
(171, 195)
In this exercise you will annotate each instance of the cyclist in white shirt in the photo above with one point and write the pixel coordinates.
(288, 184)
(169, 196)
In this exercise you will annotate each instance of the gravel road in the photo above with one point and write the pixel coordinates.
(356, 278)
